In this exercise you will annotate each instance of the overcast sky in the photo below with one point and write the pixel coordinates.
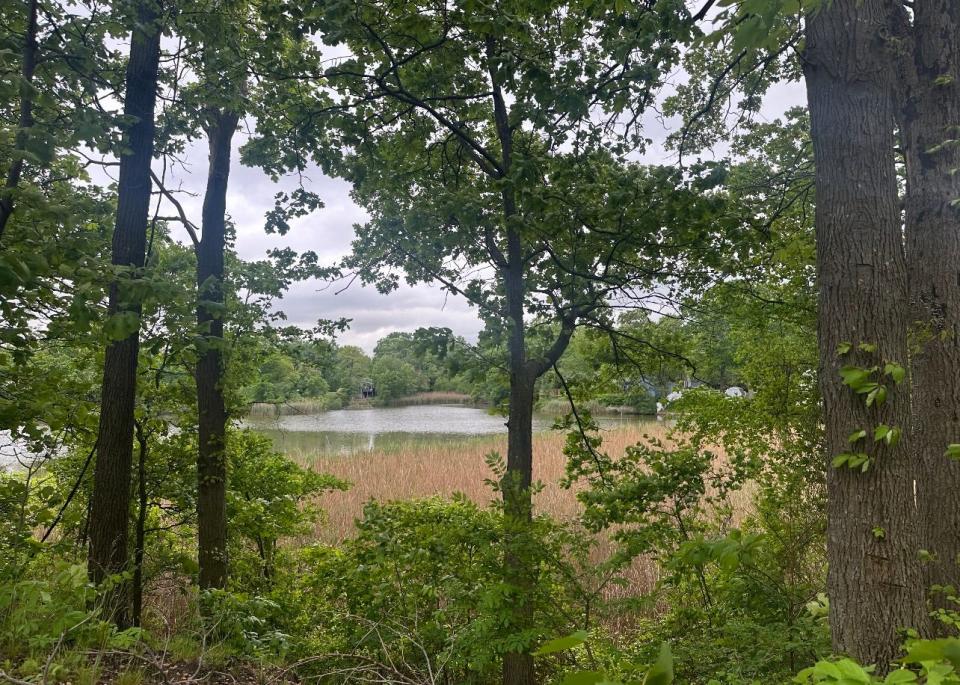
(329, 231)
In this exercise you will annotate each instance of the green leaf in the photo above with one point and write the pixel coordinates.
(121, 325)
(900, 676)
(852, 672)
(843, 348)
(925, 650)
(895, 371)
(867, 347)
(562, 644)
(661, 673)
(951, 652)
(840, 460)
(583, 678)
(857, 435)
(860, 459)
(855, 377)
(880, 432)
(877, 395)
(953, 451)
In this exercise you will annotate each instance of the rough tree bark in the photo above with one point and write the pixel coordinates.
(932, 119)
(518, 667)
(25, 123)
(211, 407)
(874, 579)
(110, 499)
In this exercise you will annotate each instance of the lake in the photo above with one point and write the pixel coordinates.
(349, 431)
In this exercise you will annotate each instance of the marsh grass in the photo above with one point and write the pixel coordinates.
(459, 466)
(260, 410)
(433, 397)
(444, 468)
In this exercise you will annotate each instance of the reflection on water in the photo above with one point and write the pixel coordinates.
(348, 431)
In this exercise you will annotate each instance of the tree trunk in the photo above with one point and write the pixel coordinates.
(212, 412)
(25, 123)
(519, 567)
(874, 578)
(931, 117)
(110, 500)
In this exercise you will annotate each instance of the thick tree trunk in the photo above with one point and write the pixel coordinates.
(212, 412)
(931, 117)
(28, 66)
(110, 500)
(874, 578)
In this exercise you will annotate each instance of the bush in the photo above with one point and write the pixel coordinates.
(47, 614)
(421, 585)
(269, 498)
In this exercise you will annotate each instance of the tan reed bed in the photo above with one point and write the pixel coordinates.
(445, 468)
(459, 466)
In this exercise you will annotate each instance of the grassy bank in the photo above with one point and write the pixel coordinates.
(322, 404)
(435, 397)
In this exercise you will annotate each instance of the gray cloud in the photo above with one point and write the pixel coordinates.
(328, 232)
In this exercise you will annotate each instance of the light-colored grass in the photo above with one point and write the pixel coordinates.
(446, 468)
(459, 466)
(290, 408)
(433, 397)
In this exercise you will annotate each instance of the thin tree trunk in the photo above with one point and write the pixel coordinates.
(520, 573)
(931, 119)
(110, 500)
(26, 116)
(211, 407)
(874, 578)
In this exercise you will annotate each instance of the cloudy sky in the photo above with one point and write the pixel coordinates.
(329, 231)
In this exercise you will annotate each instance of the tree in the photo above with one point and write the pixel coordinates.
(874, 582)
(111, 492)
(211, 407)
(930, 65)
(466, 134)
(25, 123)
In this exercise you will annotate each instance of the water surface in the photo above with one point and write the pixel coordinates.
(348, 431)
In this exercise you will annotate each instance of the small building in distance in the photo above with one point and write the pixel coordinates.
(367, 389)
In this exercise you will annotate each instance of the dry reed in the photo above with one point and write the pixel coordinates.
(445, 468)
(459, 466)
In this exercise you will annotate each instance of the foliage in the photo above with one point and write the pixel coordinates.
(269, 498)
(40, 616)
(420, 584)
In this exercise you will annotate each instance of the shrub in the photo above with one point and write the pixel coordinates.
(269, 498)
(421, 585)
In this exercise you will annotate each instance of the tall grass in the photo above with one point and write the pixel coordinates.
(433, 397)
(459, 466)
(445, 468)
(289, 408)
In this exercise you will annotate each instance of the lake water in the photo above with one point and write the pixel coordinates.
(348, 431)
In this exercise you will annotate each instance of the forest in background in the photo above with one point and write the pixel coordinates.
(299, 374)
(805, 530)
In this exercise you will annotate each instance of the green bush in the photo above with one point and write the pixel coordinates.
(269, 498)
(50, 614)
(421, 585)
